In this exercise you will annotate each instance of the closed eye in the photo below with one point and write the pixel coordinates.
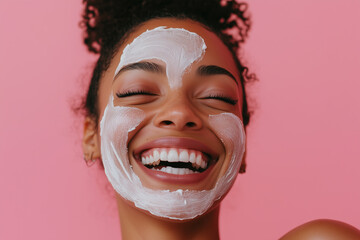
(133, 93)
(222, 98)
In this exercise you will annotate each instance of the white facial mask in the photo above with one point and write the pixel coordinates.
(177, 47)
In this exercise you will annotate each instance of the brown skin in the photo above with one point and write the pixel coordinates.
(204, 227)
(178, 106)
(175, 106)
(323, 229)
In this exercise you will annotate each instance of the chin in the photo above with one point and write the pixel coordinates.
(127, 208)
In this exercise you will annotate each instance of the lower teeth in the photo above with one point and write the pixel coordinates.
(177, 171)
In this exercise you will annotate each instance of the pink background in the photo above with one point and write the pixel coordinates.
(303, 142)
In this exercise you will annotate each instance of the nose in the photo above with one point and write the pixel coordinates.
(178, 114)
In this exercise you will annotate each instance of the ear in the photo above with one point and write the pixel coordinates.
(90, 142)
(243, 164)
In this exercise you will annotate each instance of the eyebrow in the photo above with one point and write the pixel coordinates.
(145, 66)
(207, 70)
(203, 70)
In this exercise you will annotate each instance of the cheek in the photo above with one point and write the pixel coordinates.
(239, 112)
(239, 108)
(229, 128)
(115, 126)
(105, 90)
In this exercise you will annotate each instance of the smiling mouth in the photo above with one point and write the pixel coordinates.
(176, 161)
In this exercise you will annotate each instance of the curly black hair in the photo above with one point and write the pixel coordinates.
(107, 23)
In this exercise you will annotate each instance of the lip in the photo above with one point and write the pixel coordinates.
(176, 142)
(176, 179)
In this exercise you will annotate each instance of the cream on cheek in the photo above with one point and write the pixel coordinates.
(178, 48)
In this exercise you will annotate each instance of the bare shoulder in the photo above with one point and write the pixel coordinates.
(323, 229)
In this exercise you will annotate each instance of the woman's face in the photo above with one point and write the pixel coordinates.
(175, 146)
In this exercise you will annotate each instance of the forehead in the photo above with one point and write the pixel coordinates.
(216, 52)
(176, 47)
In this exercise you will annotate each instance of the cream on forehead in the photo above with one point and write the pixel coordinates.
(176, 47)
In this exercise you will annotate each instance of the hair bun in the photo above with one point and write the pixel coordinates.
(104, 21)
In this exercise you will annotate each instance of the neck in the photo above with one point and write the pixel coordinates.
(137, 224)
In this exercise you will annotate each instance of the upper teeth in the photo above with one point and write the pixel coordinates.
(155, 155)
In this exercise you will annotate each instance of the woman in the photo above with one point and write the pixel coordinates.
(166, 111)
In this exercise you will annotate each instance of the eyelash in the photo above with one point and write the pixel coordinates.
(222, 98)
(142, 92)
(133, 93)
